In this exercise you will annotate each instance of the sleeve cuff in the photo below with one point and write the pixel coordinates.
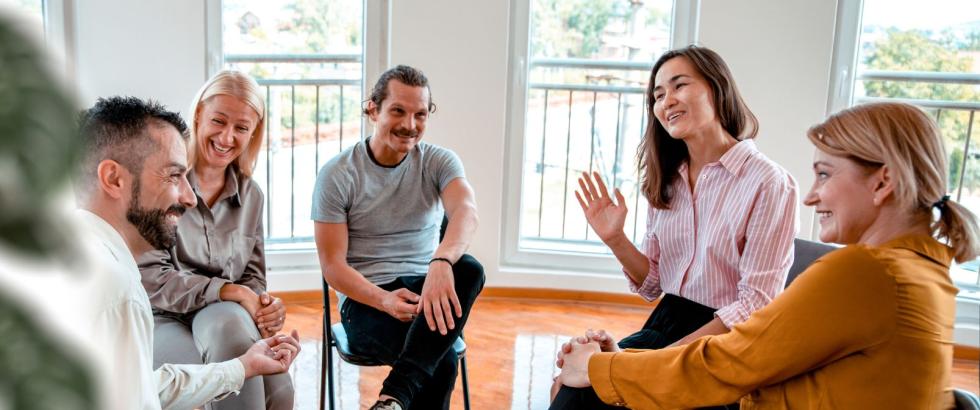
(649, 290)
(233, 374)
(230, 376)
(600, 375)
(732, 314)
(213, 292)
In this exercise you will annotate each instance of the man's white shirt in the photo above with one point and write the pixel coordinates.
(124, 318)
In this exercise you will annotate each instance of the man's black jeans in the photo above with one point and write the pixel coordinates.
(424, 365)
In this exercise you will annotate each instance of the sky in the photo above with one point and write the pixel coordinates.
(921, 14)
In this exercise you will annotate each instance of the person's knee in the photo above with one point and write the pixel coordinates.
(279, 391)
(448, 367)
(224, 331)
(469, 272)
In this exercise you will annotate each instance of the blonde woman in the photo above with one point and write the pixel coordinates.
(209, 291)
(866, 326)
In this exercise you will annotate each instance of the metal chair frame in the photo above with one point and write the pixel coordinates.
(335, 337)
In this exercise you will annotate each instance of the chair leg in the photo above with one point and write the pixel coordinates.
(324, 351)
(466, 386)
(329, 354)
(326, 366)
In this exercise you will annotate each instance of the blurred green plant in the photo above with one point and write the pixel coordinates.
(38, 147)
(38, 150)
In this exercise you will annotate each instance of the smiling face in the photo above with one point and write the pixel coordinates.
(161, 193)
(223, 125)
(683, 102)
(843, 195)
(399, 121)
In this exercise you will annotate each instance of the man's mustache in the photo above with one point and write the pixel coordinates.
(405, 132)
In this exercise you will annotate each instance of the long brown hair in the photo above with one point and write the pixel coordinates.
(908, 142)
(659, 155)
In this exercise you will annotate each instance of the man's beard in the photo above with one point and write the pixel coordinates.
(152, 223)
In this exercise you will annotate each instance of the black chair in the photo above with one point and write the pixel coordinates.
(807, 252)
(804, 254)
(966, 400)
(335, 336)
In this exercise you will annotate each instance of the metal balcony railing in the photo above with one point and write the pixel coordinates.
(964, 189)
(570, 129)
(309, 120)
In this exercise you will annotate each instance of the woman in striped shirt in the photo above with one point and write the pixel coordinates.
(868, 326)
(722, 216)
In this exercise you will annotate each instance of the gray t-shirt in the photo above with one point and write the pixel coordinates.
(393, 214)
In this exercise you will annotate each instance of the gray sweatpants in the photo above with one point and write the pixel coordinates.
(218, 332)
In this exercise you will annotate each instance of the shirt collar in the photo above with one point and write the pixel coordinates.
(109, 235)
(735, 157)
(230, 190)
(370, 154)
(924, 245)
(732, 160)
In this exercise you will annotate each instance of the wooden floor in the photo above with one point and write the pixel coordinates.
(511, 344)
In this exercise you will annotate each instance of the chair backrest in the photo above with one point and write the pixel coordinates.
(326, 300)
(966, 400)
(803, 256)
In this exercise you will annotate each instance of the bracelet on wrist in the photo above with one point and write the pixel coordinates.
(441, 259)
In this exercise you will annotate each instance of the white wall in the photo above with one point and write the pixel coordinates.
(780, 53)
(466, 62)
(147, 49)
(779, 50)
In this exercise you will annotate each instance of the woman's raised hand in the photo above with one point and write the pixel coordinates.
(607, 218)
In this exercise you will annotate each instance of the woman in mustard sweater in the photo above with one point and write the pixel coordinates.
(867, 326)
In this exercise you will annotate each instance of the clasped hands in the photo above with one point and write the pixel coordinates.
(267, 311)
(573, 358)
(271, 317)
(438, 302)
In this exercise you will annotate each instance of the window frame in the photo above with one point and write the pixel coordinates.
(291, 263)
(684, 31)
(850, 16)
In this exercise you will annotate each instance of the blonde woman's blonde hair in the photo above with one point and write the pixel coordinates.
(907, 141)
(239, 85)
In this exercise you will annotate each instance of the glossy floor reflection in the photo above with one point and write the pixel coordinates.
(511, 349)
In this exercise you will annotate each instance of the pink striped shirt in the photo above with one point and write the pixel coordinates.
(729, 245)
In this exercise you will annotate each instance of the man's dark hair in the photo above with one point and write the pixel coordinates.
(116, 128)
(407, 75)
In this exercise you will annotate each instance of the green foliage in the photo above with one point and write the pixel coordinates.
(310, 27)
(325, 25)
(955, 162)
(39, 370)
(658, 17)
(570, 28)
(914, 50)
(328, 111)
(38, 148)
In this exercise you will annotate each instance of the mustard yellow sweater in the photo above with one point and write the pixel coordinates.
(864, 327)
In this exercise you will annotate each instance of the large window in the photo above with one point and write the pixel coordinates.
(30, 9)
(33, 8)
(929, 57)
(586, 64)
(307, 55)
